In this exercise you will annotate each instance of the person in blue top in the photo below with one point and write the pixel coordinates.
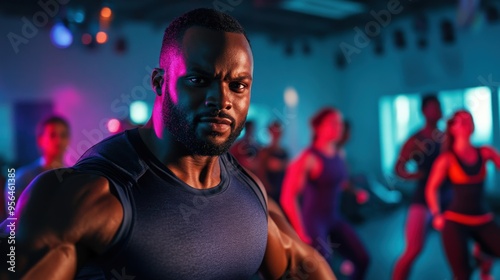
(319, 174)
(53, 138)
(167, 200)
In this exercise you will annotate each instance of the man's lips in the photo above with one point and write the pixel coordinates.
(216, 120)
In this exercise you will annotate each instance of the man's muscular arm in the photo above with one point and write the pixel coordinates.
(66, 218)
(287, 256)
(404, 157)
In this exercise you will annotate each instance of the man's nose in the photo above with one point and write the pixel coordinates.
(219, 97)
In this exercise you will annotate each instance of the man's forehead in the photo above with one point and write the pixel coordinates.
(199, 36)
(202, 48)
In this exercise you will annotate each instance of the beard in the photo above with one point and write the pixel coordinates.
(184, 132)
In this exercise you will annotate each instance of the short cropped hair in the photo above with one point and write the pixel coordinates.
(430, 97)
(53, 119)
(208, 18)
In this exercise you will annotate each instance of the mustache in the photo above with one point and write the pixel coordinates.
(216, 114)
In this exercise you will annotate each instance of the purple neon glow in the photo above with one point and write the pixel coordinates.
(177, 68)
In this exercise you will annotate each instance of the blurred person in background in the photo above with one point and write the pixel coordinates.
(318, 176)
(353, 196)
(467, 217)
(52, 139)
(246, 149)
(273, 162)
(422, 148)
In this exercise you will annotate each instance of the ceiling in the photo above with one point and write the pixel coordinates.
(277, 18)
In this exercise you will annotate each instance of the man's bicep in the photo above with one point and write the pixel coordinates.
(287, 256)
(404, 156)
(406, 151)
(28, 227)
(275, 260)
(57, 213)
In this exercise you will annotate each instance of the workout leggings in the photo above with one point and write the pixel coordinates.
(455, 239)
(417, 225)
(344, 240)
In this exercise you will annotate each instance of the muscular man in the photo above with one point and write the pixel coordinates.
(166, 201)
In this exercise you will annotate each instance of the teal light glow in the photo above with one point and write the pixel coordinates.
(139, 112)
(478, 102)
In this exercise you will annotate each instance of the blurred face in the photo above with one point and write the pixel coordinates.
(276, 131)
(54, 140)
(462, 124)
(206, 90)
(331, 127)
(432, 111)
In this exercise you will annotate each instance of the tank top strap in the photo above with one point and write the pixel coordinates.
(233, 167)
(469, 169)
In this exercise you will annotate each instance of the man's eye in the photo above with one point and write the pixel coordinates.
(198, 81)
(237, 86)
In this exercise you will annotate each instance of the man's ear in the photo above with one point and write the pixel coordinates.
(157, 80)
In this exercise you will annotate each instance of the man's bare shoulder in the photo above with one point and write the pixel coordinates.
(61, 184)
(64, 202)
(53, 180)
(63, 216)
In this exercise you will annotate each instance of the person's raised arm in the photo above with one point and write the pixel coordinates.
(490, 153)
(64, 221)
(403, 158)
(436, 177)
(293, 185)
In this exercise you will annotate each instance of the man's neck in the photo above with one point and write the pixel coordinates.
(429, 128)
(199, 172)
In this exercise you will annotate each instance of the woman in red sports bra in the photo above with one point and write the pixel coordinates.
(467, 216)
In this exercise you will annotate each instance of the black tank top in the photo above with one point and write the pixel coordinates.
(468, 186)
(427, 152)
(171, 230)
